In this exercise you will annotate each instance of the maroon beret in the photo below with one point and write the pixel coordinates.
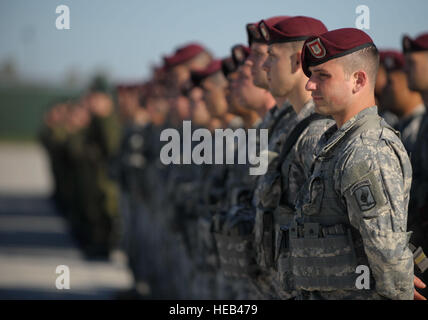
(419, 44)
(183, 54)
(124, 87)
(331, 45)
(291, 29)
(253, 31)
(392, 60)
(240, 53)
(198, 76)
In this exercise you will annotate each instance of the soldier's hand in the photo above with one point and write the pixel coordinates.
(418, 284)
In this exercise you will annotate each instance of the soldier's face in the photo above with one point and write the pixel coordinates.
(199, 112)
(380, 80)
(417, 70)
(249, 95)
(180, 75)
(232, 93)
(181, 106)
(258, 56)
(59, 113)
(396, 93)
(128, 103)
(157, 109)
(100, 103)
(214, 97)
(80, 117)
(331, 91)
(279, 68)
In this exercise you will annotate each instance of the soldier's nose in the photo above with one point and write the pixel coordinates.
(265, 67)
(310, 85)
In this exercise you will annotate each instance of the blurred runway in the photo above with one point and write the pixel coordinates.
(35, 239)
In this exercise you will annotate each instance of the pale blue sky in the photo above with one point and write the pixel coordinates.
(126, 37)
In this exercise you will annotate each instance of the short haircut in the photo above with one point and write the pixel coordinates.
(200, 61)
(366, 59)
(295, 46)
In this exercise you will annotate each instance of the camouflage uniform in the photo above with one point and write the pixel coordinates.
(82, 182)
(409, 127)
(234, 222)
(54, 140)
(295, 170)
(264, 200)
(353, 211)
(418, 208)
(389, 117)
(103, 142)
(132, 164)
(153, 223)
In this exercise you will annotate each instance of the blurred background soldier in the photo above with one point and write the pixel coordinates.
(53, 136)
(405, 103)
(79, 173)
(286, 78)
(233, 219)
(283, 120)
(102, 142)
(200, 241)
(132, 164)
(181, 180)
(416, 54)
(384, 110)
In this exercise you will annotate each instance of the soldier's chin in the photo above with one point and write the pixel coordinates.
(321, 108)
(261, 83)
(415, 86)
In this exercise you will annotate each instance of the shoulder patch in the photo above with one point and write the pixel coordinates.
(364, 197)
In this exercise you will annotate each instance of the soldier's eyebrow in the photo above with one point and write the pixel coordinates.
(319, 70)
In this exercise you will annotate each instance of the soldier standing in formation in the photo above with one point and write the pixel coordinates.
(335, 196)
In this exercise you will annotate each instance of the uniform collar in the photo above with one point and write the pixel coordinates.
(333, 135)
(272, 110)
(307, 110)
(286, 108)
(257, 123)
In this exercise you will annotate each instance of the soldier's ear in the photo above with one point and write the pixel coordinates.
(299, 58)
(296, 61)
(360, 79)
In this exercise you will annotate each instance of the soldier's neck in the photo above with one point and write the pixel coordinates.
(299, 97)
(412, 103)
(280, 101)
(353, 109)
(268, 103)
(249, 119)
